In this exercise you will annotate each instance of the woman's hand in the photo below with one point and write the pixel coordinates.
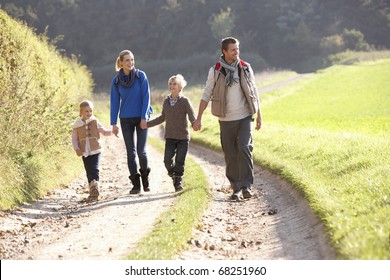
(143, 124)
(115, 130)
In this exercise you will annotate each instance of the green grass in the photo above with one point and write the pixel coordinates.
(329, 136)
(174, 227)
(267, 78)
(349, 98)
(37, 175)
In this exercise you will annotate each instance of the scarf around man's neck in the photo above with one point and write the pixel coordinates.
(231, 71)
(126, 81)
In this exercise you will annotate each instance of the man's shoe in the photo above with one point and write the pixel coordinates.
(246, 193)
(235, 195)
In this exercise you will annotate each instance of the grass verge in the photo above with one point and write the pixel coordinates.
(174, 227)
(39, 174)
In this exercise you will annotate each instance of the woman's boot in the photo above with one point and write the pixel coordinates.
(145, 179)
(135, 180)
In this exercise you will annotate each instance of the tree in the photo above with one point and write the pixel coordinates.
(222, 24)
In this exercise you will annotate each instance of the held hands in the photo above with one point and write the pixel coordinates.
(143, 124)
(197, 125)
(115, 130)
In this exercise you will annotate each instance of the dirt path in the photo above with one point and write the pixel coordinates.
(60, 226)
(283, 83)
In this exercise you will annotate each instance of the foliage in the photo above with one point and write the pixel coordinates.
(38, 91)
(284, 33)
(329, 136)
(351, 57)
(222, 23)
(354, 40)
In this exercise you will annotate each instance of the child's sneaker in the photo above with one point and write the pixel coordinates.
(93, 190)
(177, 183)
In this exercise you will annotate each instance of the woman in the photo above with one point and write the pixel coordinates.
(130, 98)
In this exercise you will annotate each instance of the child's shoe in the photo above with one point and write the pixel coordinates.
(177, 183)
(93, 190)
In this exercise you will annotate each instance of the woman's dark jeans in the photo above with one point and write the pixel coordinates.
(179, 148)
(129, 126)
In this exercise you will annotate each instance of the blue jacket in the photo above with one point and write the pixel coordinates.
(132, 101)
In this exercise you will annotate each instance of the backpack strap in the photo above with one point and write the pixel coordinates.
(243, 63)
(217, 66)
(244, 66)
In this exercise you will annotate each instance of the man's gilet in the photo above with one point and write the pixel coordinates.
(220, 89)
(89, 130)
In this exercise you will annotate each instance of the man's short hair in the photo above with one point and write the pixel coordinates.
(226, 41)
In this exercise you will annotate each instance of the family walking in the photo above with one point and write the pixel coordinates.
(230, 87)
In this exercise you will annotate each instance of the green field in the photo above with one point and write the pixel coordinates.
(329, 136)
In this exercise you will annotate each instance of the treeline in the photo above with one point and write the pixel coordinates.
(169, 36)
(39, 90)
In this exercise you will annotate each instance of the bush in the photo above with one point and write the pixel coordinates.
(354, 40)
(332, 44)
(38, 92)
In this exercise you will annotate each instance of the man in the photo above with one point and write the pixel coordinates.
(231, 88)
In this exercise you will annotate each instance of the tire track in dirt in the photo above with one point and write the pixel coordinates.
(276, 223)
(283, 83)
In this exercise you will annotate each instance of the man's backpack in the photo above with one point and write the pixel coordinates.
(217, 69)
